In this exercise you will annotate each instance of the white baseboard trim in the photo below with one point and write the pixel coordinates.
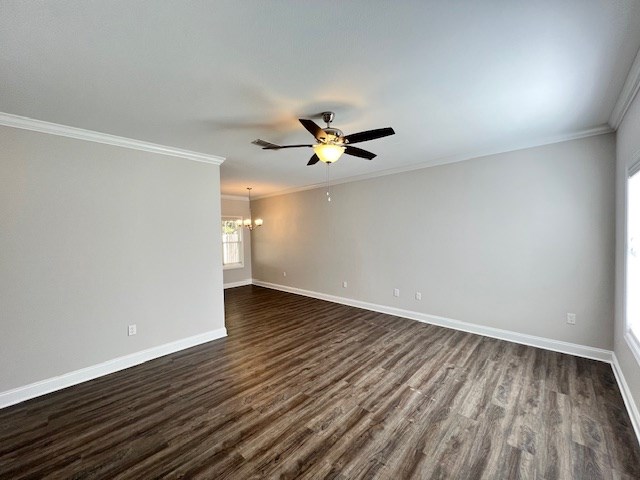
(241, 283)
(632, 408)
(522, 338)
(33, 390)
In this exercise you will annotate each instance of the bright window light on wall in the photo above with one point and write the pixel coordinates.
(633, 261)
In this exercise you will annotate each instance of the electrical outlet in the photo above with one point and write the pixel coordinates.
(571, 318)
(396, 292)
(133, 329)
(344, 284)
(284, 274)
(418, 296)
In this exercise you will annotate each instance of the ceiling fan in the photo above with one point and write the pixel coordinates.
(332, 143)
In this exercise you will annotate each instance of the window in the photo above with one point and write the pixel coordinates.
(633, 261)
(232, 242)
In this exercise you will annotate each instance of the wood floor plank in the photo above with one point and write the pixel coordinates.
(308, 389)
(553, 458)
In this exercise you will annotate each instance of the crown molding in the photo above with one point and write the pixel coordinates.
(628, 93)
(237, 198)
(25, 123)
(590, 132)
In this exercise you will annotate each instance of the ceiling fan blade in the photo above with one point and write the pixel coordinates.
(312, 127)
(278, 147)
(358, 152)
(315, 159)
(272, 146)
(265, 144)
(369, 135)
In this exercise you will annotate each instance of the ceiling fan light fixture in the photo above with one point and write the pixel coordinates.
(327, 152)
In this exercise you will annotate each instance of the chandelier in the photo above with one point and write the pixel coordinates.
(247, 222)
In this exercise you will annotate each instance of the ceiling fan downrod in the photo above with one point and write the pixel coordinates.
(328, 117)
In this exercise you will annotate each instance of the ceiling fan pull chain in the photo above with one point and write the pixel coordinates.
(328, 184)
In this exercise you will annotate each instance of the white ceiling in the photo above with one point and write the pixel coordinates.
(454, 78)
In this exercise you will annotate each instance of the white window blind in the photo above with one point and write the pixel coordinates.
(633, 260)
(232, 242)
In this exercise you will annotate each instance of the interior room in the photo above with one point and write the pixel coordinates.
(335, 240)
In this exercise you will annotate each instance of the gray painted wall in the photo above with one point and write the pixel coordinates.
(628, 151)
(511, 241)
(239, 208)
(93, 238)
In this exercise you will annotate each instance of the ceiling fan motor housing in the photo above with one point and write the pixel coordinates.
(332, 135)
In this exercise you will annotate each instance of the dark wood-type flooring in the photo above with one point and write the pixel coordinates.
(303, 388)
